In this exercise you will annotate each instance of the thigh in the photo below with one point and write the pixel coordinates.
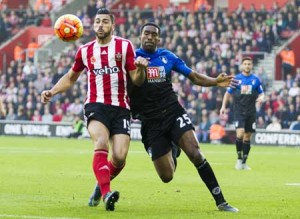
(165, 167)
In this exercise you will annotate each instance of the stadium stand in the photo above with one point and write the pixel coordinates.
(209, 40)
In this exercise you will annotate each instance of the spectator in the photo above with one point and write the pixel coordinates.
(58, 116)
(47, 116)
(288, 61)
(296, 124)
(216, 133)
(274, 125)
(203, 129)
(32, 47)
(78, 126)
(19, 54)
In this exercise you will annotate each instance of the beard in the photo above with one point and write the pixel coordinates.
(103, 35)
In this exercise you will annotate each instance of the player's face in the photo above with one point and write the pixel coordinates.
(247, 66)
(150, 38)
(103, 26)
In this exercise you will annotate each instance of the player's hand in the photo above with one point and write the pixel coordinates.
(46, 96)
(224, 80)
(2, 112)
(222, 111)
(141, 62)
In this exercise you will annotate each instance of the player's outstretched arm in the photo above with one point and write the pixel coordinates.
(223, 80)
(62, 85)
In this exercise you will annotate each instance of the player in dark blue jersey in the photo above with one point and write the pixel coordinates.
(165, 123)
(245, 95)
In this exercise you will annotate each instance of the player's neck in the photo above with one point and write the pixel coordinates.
(246, 74)
(105, 40)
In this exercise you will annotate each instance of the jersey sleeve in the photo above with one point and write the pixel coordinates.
(78, 65)
(230, 90)
(130, 54)
(179, 65)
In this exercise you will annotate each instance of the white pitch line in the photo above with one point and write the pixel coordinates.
(33, 217)
(292, 184)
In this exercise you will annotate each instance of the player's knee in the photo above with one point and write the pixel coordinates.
(166, 178)
(196, 157)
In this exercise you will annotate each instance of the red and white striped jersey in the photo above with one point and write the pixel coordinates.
(107, 69)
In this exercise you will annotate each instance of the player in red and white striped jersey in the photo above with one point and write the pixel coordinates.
(109, 61)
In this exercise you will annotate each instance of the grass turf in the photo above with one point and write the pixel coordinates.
(52, 178)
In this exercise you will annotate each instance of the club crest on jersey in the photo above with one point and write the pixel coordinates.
(118, 57)
(93, 60)
(164, 59)
(253, 82)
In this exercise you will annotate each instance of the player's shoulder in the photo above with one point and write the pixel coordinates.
(254, 76)
(91, 43)
(239, 75)
(118, 38)
(163, 51)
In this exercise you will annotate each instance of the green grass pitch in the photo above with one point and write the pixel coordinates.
(43, 178)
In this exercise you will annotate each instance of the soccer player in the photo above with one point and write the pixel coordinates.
(245, 95)
(165, 123)
(109, 60)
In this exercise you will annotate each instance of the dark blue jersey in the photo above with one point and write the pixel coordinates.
(156, 95)
(246, 93)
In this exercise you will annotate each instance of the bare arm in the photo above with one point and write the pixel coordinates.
(62, 85)
(260, 99)
(222, 80)
(224, 103)
(139, 74)
(2, 109)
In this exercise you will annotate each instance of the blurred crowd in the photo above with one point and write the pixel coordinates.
(209, 41)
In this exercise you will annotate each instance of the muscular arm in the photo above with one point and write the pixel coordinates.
(139, 74)
(222, 80)
(202, 80)
(65, 82)
(62, 85)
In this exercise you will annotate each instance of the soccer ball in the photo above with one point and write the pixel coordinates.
(68, 28)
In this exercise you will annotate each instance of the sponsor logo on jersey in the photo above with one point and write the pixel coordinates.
(153, 72)
(106, 70)
(156, 74)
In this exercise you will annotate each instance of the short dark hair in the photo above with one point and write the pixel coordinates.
(150, 24)
(106, 11)
(247, 58)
